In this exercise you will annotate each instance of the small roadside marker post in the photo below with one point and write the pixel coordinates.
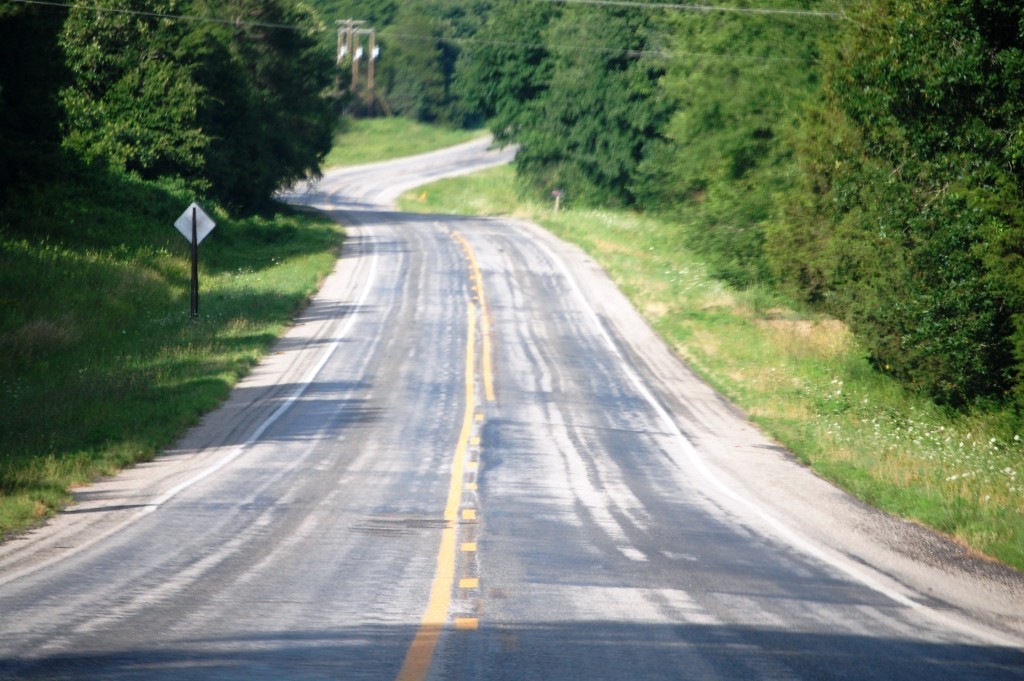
(194, 225)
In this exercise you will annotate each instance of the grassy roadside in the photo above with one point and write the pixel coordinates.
(802, 378)
(380, 139)
(102, 366)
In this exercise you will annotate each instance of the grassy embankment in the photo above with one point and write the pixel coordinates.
(101, 366)
(380, 139)
(802, 378)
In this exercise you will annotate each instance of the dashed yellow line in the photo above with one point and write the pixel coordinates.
(467, 623)
(421, 651)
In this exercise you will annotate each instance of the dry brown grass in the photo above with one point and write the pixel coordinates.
(824, 339)
(656, 309)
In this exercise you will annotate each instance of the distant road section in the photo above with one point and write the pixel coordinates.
(380, 184)
(471, 458)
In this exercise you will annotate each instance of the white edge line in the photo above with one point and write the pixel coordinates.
(695, 460)
(280, 411)
(224, 461)
(974, 628)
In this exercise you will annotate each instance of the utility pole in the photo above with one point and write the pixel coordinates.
(350, 46)
(374, 51)
(346, 32)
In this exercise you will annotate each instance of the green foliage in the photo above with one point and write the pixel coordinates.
(235, 110)
(507, 67)
(738, 82)
(268, 119)
(414, 80)
(420, 50)
(377, 13)
(134, 100)
(910, 219)
(588, 129)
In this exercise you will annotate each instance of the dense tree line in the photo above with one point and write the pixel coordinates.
(910, 222)
(421, 43)
(867, 157)
(576, 87)
(226, 96)
(869, 160)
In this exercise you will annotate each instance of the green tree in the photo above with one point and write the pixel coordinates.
(508, 66)
(134, 99)
(910, 222)
(234, 108)
(420, 50)
(377, 13)
(738, 82)
(413, 72)
(264, 78)
(587, 131)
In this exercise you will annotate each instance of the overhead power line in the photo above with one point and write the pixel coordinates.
(662, 54)
(600, 3)
(702, 8)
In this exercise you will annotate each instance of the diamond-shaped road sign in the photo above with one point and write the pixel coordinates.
(204, 225)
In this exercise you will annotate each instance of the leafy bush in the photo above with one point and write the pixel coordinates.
(234, 109)
(736, 82)
(909, 223)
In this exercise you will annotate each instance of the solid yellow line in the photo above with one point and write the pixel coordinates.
(485, 318)
(421, 651)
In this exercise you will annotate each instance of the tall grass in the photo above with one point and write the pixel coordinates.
(102, 365)
(803, 378)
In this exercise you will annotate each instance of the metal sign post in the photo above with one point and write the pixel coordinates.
(194, 308)
(194, 225)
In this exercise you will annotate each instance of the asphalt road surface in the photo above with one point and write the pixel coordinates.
(471, 459)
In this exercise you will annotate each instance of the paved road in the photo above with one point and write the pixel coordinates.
(470, 459)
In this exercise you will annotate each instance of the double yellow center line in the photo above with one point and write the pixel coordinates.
(485, 318)
(421, 651)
